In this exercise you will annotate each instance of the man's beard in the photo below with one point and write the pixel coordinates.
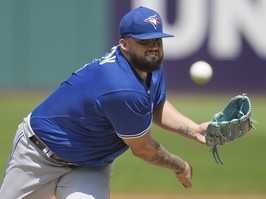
(145, 64)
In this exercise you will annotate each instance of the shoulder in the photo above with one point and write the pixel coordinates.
(126, 98)
(114, 56)
(127, 103)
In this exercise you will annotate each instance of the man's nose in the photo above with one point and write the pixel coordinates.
(153, 43)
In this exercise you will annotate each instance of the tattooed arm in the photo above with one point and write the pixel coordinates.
(152, 152)
(167, 117)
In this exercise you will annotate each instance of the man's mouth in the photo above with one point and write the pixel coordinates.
(152, 54)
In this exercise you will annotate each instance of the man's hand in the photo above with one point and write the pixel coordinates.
(185, 177)
(200, 137)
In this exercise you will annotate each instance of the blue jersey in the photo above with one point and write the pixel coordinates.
(84, 119)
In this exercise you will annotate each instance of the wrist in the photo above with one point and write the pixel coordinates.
(191, 132)
(198, 134)
(185, 171)
(182, 168)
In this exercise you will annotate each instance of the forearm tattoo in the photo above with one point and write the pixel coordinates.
(165, 159)
(186, 130)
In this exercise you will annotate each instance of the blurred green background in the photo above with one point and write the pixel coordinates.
(244, 160)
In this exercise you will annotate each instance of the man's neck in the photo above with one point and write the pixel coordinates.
(141, 74)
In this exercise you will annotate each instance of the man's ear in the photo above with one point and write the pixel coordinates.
(123, 44)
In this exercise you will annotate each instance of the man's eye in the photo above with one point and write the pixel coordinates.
(143, 42)
(147, 41)
(158, 41)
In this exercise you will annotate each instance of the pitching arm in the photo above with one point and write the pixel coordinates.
(167, 117)
(149, 150)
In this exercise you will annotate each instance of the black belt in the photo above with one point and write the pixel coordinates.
(49, 153)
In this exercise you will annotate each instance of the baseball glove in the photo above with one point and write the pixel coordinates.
(230, 124)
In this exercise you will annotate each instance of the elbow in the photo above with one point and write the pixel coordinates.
(143, 154)
(146, 152)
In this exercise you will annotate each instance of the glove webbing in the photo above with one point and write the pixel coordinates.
(216, 155)
(215, 150)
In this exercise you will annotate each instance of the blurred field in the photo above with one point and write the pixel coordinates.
(244, 166)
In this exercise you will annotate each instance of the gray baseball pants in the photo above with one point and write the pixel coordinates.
(32, 175)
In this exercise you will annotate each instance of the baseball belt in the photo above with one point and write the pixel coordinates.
(49, 153)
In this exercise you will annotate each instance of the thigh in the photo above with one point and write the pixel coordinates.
(85, 183)
(29, 174)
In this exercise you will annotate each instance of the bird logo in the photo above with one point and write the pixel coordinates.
(154, 20)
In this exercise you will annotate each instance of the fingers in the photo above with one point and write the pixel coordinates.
(185, 178)
(201, 139)
(185, 182)
(204, 127)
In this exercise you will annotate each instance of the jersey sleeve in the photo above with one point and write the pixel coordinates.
(128, 112)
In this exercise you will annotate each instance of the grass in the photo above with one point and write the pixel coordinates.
(244, 166)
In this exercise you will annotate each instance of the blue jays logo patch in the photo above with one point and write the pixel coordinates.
(153, 20)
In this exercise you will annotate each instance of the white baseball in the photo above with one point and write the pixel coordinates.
(201, 72)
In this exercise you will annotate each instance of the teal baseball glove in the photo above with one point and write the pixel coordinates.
(230, 124)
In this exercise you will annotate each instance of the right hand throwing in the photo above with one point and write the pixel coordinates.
(185, 177)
